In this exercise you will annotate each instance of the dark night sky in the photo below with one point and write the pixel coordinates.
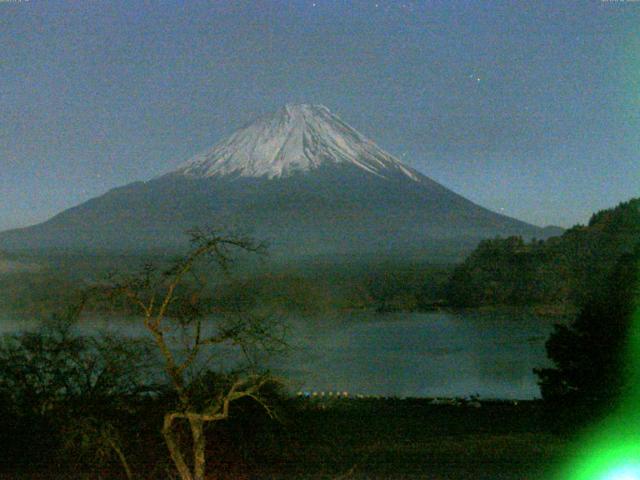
(531, 108)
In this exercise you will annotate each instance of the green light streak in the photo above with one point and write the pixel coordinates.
(611, 450)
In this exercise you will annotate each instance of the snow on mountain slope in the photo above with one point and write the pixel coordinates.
(301, 179)
(297, 138)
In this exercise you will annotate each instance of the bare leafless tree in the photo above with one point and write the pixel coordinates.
(179, 299)
(79, 384)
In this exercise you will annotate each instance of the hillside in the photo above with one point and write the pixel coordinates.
(561, 270)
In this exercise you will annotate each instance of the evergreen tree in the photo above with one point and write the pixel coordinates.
(590, 353)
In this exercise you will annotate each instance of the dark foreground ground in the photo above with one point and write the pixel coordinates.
(381, 439)
(413, 439)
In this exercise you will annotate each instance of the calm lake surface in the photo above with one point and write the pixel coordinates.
(404, 354)
(422, 354)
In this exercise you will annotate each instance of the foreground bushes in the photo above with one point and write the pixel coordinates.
(77, 405)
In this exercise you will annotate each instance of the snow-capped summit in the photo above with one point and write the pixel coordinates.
(300, 179)
(296, 138)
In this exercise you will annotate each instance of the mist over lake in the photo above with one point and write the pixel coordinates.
(434, 354)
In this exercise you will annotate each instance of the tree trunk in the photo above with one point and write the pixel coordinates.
(197, 432)
(121, 457)
(174, 448)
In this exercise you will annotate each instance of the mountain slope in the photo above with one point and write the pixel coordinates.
(300, 178)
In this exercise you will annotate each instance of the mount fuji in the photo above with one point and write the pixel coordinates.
(300, 178)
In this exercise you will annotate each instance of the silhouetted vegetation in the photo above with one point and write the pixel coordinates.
(73, 400)
(342, 438)
(82, 392)
(177, 301)
(306, 288)
(561, 270)
(591, 355)
(92, 407)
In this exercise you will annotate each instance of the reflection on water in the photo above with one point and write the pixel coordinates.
(403, 354)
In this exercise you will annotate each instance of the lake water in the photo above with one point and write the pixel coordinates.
(422, 354)
(406, 354)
